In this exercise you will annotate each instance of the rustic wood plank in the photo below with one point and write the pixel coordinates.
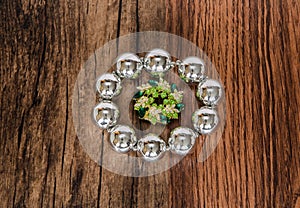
(253, 165)
(255, 48)
(116, 190)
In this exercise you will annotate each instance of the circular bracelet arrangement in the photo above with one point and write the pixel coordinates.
(157, 101)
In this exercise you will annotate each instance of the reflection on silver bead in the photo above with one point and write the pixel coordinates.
(108, 86)
(122, 138)
(210, 92)
(205, 120)
(158, 62)
(106, 114)
(182, 140)
(191, 69)
(151, 147)
(129, 66)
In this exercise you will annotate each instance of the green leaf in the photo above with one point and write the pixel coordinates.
(163, 118)
(164, 112)
(138, 94)
(153, 83)
(148, 92)
(166, 102)
(167, 91)
(175, 115)
(159, 88)
(150, 100)
(168, 120)
(171, 97)
(155, 94)
(153, 90)
(142, 112)
(179, 106)
(163, 95)
(153, 121)
(169, 115)
(173, 87)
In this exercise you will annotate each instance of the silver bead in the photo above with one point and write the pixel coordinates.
(191, 69)
(129, 66)
(209, 92)
(157, 62)
(108, 86)
(182, 140)
(106, 114)
(151, 147)
(122, 138)
(205, 120)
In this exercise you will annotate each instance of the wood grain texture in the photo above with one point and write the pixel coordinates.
(255, 48)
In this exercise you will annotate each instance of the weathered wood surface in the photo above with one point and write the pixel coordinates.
(255, 46)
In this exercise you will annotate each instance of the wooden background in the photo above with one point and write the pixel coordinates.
(255, 46)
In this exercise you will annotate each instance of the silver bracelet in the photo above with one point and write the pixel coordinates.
(158, 102)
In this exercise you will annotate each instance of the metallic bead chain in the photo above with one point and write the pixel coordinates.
(157, 62)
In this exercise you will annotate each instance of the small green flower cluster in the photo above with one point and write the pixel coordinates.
(158, 101)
